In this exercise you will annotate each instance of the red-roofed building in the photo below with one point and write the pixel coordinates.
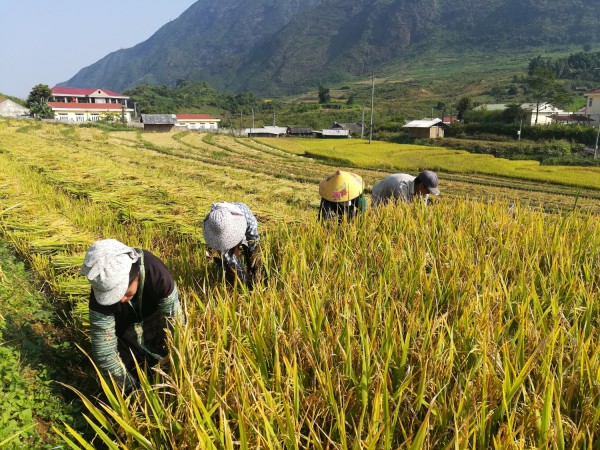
(197, 122)
(89, 105)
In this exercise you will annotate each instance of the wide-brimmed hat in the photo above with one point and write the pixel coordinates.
(224, 226)
(341, 187)
(430, 180)
(106, 265)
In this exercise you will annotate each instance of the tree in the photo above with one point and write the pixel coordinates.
(324, 96)
(37, 102)
(542, 87)
(464, 105)
(41, 110)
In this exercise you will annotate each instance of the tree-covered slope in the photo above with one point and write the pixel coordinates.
(284, 46)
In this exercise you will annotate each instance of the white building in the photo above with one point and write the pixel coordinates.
(543, 115)
(8, 108)
(197, 122)
(269, 131)
(592, 109)
(89, 105)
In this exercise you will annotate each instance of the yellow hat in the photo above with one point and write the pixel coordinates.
(341, 187)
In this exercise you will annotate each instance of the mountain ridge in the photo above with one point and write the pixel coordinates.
(271, 47)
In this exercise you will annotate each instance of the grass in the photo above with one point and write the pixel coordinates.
(30, 350)
(469, 323)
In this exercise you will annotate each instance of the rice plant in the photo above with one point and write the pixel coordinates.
(469, 323)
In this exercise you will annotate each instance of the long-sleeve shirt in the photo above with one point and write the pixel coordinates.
(136, 327)
(249, 244)
(397, 186)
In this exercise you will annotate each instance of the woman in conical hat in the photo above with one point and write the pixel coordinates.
(342, 195)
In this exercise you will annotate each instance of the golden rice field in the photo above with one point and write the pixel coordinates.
(470, 323)
(412, 158)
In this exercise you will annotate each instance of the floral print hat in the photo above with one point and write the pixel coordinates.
(341, 187)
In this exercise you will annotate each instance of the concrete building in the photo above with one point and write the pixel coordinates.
(89, 105)
(8, 108)
(197, 122)
(268, 131)
(531, 114)
(592, 109)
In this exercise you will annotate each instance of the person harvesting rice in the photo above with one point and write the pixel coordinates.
(230, 229)
(404, 187)
(132, 302)
(342, 195)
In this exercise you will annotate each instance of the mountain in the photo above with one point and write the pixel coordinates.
(273, 47)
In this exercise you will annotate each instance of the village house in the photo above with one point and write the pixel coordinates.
(592, 108)
(197, 122)
(544, 115)
(268, 131)
(332, 133)
(354, 128)
(426, 128)
(8, 108)
(294, 131)
(89, 105)
(161, 123)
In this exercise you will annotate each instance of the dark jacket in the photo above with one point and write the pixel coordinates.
(136, 328)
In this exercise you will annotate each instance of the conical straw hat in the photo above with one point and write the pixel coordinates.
(341, 187)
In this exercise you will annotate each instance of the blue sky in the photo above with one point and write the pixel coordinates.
(44, 41)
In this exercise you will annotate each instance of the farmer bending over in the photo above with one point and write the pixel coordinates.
(404, 187)
(132, 301)
(342, 196)
(230, 229)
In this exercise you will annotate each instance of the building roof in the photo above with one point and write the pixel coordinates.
(424, 123)
(195, 117)
(299, 130)
(83, 92)
(597, 91)
(268, 130)
(491, 107)
(352, 127)
(544, 107)
(570, 118)
(88, 106)
(159, 119)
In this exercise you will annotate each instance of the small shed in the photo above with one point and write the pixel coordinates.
(426, 128)
(8, 108)
(162, 123)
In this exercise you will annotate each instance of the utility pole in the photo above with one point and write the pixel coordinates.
(520, 128)
(372, 95)
(252, 117)
(273, 119)
(241, 119)
(362, 124)
(597, 136)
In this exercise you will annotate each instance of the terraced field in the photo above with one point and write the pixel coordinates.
(471, 323)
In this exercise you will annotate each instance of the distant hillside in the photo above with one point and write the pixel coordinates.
(286, 46)
(14, 99)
